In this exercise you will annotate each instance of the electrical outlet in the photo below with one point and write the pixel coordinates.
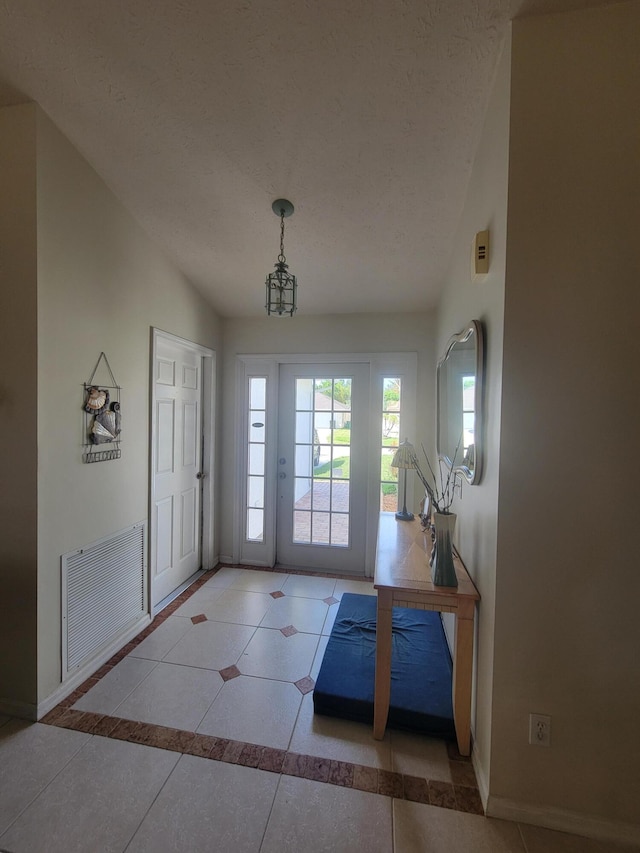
(539, 730)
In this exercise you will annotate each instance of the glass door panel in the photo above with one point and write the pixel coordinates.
(323, 438)
(255, 487)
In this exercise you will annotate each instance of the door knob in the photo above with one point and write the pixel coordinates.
(282, 475)
(200, 475)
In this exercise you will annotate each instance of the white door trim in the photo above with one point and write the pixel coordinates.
(404, 364)
(249, 553)
(209, 545)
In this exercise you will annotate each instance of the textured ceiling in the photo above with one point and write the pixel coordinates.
(197, 114)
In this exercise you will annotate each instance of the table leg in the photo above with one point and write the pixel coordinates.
(382, 693)
(462, 674)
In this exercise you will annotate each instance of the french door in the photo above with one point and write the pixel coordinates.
(312, 464)
(322, 450)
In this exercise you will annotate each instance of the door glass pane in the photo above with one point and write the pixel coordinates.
(320, 522)
(321, 499)
(342, 393)
(339, 529)
(256, 459)
(255, 497)
(255, 525)
(256, 425)
(303, 460)
(302, 527)
(340, 496)
(302, 492)
(258, 392)
(341, 466)
(341, 426)
(391, 414)
(255, 482)
(322, 452)
(304, 394)
(304, 427)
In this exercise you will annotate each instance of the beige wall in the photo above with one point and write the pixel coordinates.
(18, 405)
(465, 299)
(101, 286)
(336, 333)
(567, 632)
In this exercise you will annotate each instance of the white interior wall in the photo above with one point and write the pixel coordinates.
(566, 630)
(102, 285)
(465, 298)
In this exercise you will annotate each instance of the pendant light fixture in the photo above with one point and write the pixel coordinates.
(281, 285)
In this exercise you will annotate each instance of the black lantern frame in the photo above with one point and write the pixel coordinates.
(281, 285)
(281, 292)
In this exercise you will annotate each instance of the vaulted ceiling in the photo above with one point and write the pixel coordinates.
(199, 113)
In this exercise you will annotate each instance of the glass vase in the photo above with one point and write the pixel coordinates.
(443, 572)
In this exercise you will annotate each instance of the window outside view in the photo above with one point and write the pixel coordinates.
(390, 438)
(322, 461)
(256, 459)
(322, 457)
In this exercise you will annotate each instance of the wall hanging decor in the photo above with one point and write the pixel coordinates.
(102, 417)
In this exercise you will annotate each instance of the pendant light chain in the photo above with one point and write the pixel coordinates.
(281, 257)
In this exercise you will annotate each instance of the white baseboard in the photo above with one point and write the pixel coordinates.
(160, 606)
(63, 690)
(481, 778)
(563, 820)
(224, 558)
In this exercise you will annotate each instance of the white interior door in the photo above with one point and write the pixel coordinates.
(177, 453)
(322, 466)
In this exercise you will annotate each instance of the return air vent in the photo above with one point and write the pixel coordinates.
(103, 594)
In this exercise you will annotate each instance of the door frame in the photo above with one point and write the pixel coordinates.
(209, 557)
(403, 364)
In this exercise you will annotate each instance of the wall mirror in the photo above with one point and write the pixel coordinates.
(459, 400)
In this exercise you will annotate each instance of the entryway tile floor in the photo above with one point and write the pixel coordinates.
(200, 736)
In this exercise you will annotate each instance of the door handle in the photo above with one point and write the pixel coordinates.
(200, 475)
(282, 475)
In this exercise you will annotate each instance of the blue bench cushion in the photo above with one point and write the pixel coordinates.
(421, 669)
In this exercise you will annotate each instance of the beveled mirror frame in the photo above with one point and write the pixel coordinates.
(470, 466)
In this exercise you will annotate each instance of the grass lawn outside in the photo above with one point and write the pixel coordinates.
(343, 463)
(343, 436)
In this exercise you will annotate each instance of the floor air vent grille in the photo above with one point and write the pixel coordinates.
(103, 594)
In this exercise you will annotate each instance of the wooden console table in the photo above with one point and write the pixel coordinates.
(403, 579)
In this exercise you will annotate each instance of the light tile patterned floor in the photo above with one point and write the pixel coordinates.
(200, 735)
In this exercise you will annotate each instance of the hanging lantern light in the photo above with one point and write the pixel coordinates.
(281, 285)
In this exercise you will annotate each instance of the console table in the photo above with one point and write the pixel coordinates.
(403, 579)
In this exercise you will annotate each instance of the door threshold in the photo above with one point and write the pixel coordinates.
(322, 573)
(176, 592)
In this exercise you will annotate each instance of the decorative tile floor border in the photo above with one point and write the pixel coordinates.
(458, 796)
(461, 795)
